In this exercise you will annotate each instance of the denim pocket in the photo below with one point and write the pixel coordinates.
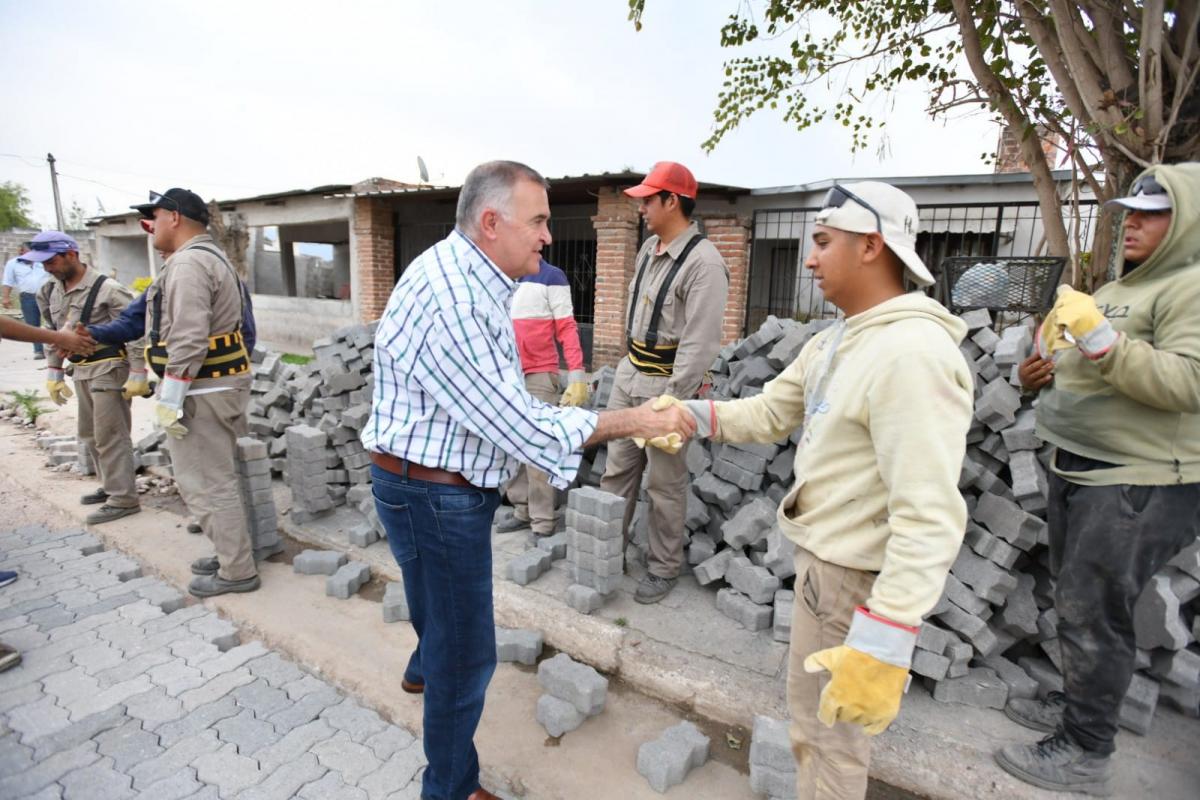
(397, 521)
(457, 501)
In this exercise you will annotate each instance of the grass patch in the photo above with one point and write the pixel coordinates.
(29, 403)
(621, 622)
(295, 358)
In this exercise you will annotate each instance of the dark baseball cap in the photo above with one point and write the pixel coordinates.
(186, 202)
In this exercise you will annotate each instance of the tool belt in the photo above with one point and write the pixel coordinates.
(108, 352)
(656, 361)
(649, 357)
(226, 356)
(226, 351)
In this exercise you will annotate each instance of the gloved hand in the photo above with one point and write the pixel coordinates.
(136, 385)
(575, 395)
(169, 408)
(869, 673)
(56, 387)
(1050, 339)
(671, 443)
(1077, 313)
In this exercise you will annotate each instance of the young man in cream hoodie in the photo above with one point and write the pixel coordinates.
(885, 400)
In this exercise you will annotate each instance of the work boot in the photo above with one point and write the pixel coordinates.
(194, 527)
(506, 523)
(9, 657)
(1058, 764)
(213, 585)
(653, 588)
(107, 513)
(206, 566)
(1040, 715)
(95, 498)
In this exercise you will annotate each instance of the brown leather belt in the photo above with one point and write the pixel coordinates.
(420, 472)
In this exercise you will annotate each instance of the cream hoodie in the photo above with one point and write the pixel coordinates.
(888, 399)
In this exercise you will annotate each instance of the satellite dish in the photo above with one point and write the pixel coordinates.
(422, 170)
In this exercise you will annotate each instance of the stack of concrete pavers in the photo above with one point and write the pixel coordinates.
(254, 480)
(666, 761)
(595, 546)
(307, 473)
(772, 766)
(574, 692)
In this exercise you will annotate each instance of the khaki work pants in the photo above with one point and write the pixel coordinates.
(103, 428)
(530, 491)
(831, 763)
(666, 488)
(205, 465)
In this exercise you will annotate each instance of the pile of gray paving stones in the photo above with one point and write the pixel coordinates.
(574, 692)
(254, 482)
(772, 765)
(666, 761)
(992, 635)
(125, 690)
(595, 545)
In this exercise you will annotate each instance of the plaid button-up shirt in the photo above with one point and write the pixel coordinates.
(449, 390)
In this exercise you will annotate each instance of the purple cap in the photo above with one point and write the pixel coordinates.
(47, 244)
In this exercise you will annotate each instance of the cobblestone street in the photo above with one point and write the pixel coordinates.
(127, 690)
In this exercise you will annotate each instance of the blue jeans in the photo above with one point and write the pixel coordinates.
(29, 310)
(441, 536)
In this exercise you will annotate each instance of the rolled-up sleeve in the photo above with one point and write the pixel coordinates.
(463, 368)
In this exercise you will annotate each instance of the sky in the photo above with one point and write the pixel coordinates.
(233, 99)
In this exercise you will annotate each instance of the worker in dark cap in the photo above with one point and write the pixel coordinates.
(196, 347)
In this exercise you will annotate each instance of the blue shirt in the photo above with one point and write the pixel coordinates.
(449, 390)
(23, 276)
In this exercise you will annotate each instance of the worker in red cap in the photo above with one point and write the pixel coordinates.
(673, 329)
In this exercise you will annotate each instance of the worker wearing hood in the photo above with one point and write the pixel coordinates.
(1119, 375)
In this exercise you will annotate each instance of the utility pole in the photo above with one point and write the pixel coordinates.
(54, 184)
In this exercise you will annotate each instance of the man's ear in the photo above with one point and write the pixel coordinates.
(488, 221)
(874, 247)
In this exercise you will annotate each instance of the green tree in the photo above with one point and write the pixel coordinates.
(1114, 82)
(14, 206)
(76, 217)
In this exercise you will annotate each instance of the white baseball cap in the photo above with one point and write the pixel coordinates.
(874, 207)
(1148, 195)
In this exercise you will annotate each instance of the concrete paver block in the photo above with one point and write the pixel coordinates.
(318, 562)
(750, 524)
(781, 626)
(521, 646)
(981, 688)
(666, 761)
(757, 583)
(743, 610)
(528, 566)
(1137, 709)
(578, 684)
(558, 716)
(714, 568)
(347, 580)
(1157, 620)
(584, 599)
(395, 603)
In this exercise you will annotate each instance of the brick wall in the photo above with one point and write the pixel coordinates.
(375, 240)
(1008, 150)
(731, 235)
(616, 224)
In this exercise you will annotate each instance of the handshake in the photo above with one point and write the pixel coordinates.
(77, 342)
(666, 423)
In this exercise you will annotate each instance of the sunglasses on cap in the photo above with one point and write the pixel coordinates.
(162, 201)
(1148, 185)
(839, 195)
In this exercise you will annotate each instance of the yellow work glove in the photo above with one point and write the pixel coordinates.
(867, 680)
(575, 395)
(169, 408)
(1077, 313)
(136, 385)
(1050, 337)
(56, 387)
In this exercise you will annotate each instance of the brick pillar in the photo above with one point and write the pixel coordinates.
(731, 235)
(616, 224)
(375, 242)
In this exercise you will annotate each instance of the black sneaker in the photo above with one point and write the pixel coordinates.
(95, 498)
(194, 527)
(9, 657)
(1039, 715)
(1058, 764)
(653, 588)
(213, 585)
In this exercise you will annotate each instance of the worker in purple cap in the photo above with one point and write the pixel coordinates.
(105, 380)
(673, 330)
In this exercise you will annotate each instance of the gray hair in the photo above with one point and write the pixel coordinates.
(491, 185)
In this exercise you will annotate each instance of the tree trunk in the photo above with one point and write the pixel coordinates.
(1106, 242)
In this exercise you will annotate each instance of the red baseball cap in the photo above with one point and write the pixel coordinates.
(666, 176)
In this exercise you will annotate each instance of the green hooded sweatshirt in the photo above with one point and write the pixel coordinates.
(1138, 406)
